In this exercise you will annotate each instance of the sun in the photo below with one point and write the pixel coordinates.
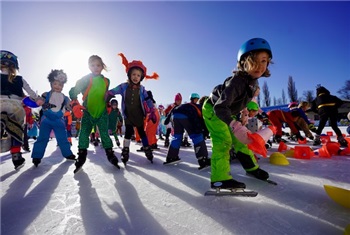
(74, 63)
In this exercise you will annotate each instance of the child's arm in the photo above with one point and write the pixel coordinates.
(80, 86)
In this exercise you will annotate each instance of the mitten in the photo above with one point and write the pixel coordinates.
(77, 108)
(239, 131)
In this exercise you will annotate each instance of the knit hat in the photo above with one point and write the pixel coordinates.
(178, 97)
(57, 75)
(139, 64)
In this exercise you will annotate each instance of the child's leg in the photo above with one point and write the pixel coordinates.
(61, 136)
(42, 140)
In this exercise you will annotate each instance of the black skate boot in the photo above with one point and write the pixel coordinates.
(227, 184)
(259, 174)
(117, 142)
(203, 162)
(26, 148)
(82, 153)
(36, 161)
(112, 158)
(185, 142)
(342, 141)
(166, 142)
(148, 153)
(172, 160)
(17, 160)
(125, 155)
(317, 140)
(71, 158)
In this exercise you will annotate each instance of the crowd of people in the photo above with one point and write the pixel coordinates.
(227, 116)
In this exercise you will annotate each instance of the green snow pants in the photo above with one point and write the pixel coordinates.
(222, 140)
(87, 123)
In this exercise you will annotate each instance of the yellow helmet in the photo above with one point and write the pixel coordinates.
(278, 158)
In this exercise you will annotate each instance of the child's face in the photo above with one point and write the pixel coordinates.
(252, 113)
(261, 60)
(57, 86)
(96, 67)
(135, 76)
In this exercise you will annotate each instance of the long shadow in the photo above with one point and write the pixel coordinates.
(95, 220)
(18, 209)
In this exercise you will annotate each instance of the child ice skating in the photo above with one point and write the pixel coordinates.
(225, 102)
(52, 119)
(12, 112)
(135, 105)
(93, 87)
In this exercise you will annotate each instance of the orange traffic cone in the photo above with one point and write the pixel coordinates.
(259, 139)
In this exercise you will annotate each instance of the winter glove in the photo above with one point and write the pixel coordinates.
(239, 131)
(77, 108)
(312, 128)
(152, 116)
(108, 96)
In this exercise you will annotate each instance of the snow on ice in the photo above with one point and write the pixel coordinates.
(145, 198)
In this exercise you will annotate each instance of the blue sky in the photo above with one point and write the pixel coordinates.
(192, 45)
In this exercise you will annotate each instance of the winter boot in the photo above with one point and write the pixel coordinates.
(166, 142)
(259, 174)
(317, 140)
(342, 141)
(227, 184)
(125, 155)
(117, 142)
(82, 153)
(203, 162)
(112, 158)
(36, 161)
(161, 137)
(148, 153)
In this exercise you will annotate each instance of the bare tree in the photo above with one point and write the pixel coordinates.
(274, 101)
(308, 96)
(345, 90)
(292, 91)
(284, 100)
(267, 99)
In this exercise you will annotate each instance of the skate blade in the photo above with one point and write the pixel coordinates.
(171, 163)
(234, 192)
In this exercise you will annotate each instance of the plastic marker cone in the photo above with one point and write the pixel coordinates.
(339, 195)
(282, 147)
(258, 140)
(333, 148)
(302, 141)
(278, 158)
(323, 152)
(344, 152)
